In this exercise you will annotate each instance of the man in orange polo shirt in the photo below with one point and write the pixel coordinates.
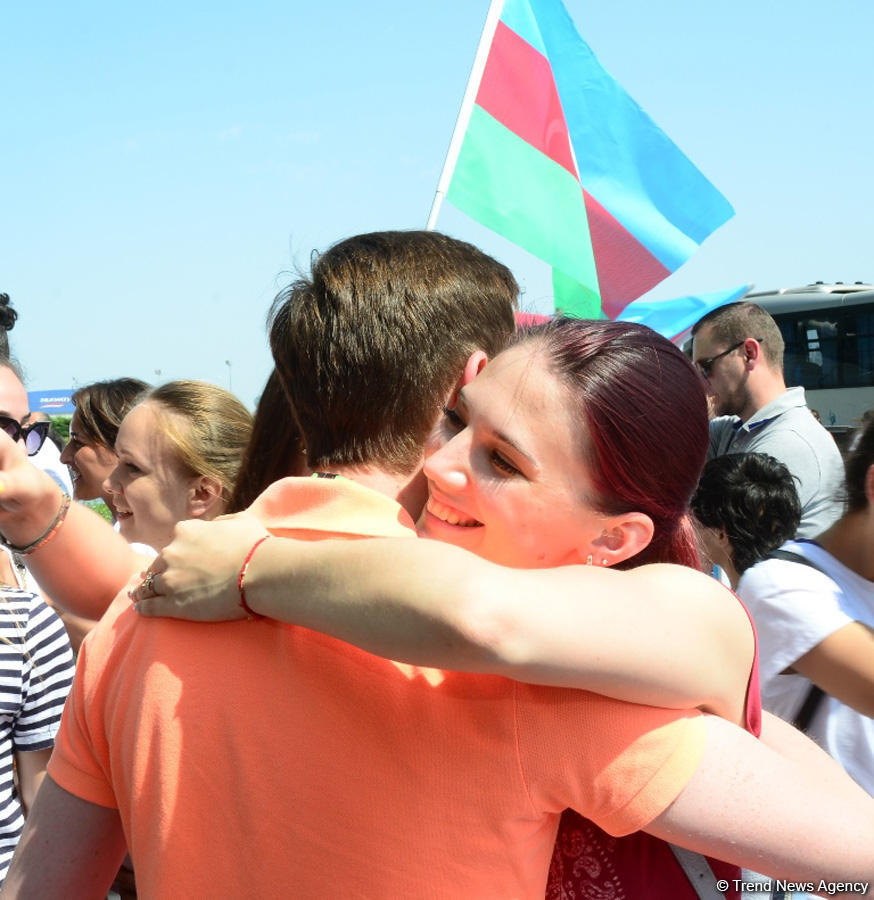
(258, 759)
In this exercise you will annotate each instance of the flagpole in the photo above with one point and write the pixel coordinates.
(476, 74)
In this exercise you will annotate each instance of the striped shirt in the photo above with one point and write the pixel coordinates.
(36, 671)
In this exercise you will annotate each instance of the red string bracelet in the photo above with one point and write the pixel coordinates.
(243, 569)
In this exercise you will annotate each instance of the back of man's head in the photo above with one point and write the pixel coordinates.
(735, 322)
(369, 346)
(752, 498)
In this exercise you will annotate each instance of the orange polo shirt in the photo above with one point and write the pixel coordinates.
(257, 759)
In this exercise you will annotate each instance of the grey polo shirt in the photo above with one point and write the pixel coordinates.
(786, 430)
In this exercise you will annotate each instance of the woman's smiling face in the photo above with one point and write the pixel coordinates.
(149, 489)
(89, 462)
(508, 481)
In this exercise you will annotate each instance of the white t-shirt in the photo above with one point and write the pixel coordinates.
(795, 608)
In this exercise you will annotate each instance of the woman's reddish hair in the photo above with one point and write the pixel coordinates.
(644, 411)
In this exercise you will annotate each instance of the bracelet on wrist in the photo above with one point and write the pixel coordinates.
(47, 535)
(243, 569)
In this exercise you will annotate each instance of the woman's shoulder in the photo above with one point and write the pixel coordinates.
(681, 590)
(715, 621)
(686, 584)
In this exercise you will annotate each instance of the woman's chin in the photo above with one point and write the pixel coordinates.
(82, 492)
(127, 528)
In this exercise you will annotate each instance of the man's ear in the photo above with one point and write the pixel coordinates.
(623, 536)
(752, 351)
(474, 365)
(204, 498)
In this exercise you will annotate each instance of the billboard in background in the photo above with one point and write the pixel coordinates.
(55, 403)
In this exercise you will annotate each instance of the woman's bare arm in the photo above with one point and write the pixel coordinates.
(792, 815)
(662, 635)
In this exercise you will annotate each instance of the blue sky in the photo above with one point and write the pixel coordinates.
(166, 166)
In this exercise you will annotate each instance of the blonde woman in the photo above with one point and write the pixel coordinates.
(178, 453)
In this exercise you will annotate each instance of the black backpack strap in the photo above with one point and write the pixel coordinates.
(816, 694)
(789, 556)
(811, 704)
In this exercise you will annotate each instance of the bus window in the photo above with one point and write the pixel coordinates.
(829, 334)
(858, 346)
(811, 357)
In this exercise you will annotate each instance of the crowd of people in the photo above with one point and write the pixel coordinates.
(283, 692)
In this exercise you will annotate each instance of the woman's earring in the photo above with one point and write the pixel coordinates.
(604, 561)
(589, 560)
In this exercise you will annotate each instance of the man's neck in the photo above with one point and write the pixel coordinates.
(410, 491)
(762, 392)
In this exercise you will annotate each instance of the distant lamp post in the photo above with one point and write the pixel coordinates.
(230, 375)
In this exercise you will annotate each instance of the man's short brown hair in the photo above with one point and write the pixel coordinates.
(368, 347)
(735, 322)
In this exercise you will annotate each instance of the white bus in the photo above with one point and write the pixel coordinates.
(829, 334)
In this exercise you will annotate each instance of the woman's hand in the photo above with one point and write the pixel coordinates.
(195, 576)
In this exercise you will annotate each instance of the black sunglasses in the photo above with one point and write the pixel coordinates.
(705, 366)
(34, 435)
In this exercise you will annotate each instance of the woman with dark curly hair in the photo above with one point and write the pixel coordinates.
(747, 506)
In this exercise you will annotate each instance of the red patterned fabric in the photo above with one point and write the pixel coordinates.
(589, 864)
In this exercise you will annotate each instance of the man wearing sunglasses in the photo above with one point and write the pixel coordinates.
(738, 349)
